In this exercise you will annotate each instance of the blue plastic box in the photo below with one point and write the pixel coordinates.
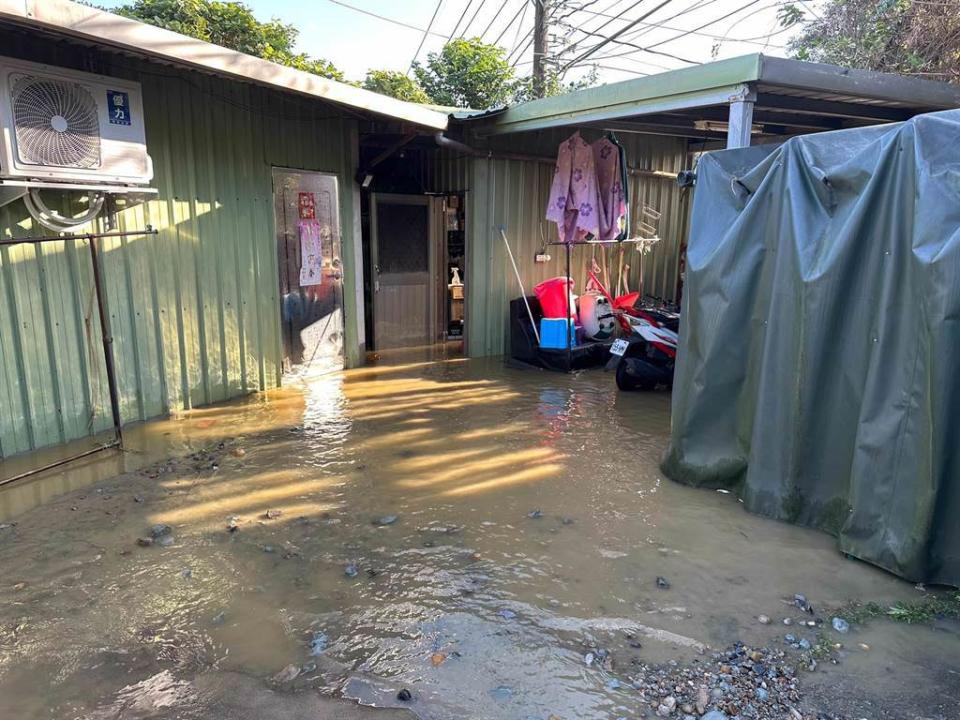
(552, 333)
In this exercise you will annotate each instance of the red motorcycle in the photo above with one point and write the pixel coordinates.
(646, 358)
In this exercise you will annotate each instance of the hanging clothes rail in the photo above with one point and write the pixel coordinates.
(106, 336)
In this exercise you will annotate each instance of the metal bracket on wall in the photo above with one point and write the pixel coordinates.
(105, 332)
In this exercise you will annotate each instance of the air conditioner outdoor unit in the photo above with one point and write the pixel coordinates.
(64, 126)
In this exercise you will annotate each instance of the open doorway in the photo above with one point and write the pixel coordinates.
(416, 243)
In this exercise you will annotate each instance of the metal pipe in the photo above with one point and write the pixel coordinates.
(107, 337)
(84, 236)
(58, 463)
(659, 174)
(450, 144)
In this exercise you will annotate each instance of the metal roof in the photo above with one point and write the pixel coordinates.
(106, 29)
(790, 96)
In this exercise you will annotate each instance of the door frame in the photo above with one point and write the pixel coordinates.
(435, 248)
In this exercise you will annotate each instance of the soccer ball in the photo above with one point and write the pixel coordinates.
(596, 316)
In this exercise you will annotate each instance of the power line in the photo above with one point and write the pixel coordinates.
(606, 41)
(782, 30)
(385, 19)
(494, 19)
(603, 25)
(516, 38)
(425, 33)
(628, 56)
(460, 20)
(637, 48)
(650, 27)
(664, 26)
(523, 9)
(466, 28)
(620, 69)
(528, 42)
(701, 27)
(582, 8)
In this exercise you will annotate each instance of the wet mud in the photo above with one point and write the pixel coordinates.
(491, 540)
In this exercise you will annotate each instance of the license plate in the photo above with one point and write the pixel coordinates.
(619, 347)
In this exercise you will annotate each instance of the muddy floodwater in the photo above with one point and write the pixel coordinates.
(488, 539)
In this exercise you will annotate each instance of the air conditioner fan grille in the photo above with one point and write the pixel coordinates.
(56, 123)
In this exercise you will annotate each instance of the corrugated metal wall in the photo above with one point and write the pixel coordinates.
(195, 310)
(513, 193)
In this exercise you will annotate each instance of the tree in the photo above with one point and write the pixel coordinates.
(230, 25)
(467, 73)
(909, 37)
(553, 85)
(395, 84)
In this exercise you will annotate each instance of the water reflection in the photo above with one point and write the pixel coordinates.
(531, 523)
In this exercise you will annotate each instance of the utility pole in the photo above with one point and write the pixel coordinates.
(541, 26)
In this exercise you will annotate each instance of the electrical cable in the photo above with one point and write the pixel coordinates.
(783, 29)
(650, 27)
(466, 28)
(460, 20)
(591, 51)
(529, 42)
(382, 17)
(701, 27)
(664, 26)
(628, 55)
(426, 32)
(494, 19)
(604, 24)
(523, 17)
(582, 8)
(523, 9)
(641, 49)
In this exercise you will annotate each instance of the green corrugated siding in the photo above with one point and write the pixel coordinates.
(194, 310)
(514, 194)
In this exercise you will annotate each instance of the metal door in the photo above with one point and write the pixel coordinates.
(307, 216)
(404, 257)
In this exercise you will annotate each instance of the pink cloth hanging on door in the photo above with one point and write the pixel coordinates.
(574, 201)
(612, 207)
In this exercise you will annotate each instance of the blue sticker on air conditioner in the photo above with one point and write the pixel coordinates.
(118, 107)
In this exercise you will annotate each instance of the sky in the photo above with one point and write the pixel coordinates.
(356, 42)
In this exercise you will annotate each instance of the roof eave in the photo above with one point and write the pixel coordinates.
(712, 83)
(868, 84)
(89, 24)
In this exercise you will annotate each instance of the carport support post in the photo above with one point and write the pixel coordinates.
(741, 118)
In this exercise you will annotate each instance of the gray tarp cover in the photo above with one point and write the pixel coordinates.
(818, 371)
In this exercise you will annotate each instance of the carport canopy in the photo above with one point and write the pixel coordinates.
(737, 102)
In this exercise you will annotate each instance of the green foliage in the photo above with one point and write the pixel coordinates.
(467, 73)
(909, 37)
(927, 609)
(789, 15)
(553, 85)
(822, 649)
(859, 612)
(230, 25)
(395, 84)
